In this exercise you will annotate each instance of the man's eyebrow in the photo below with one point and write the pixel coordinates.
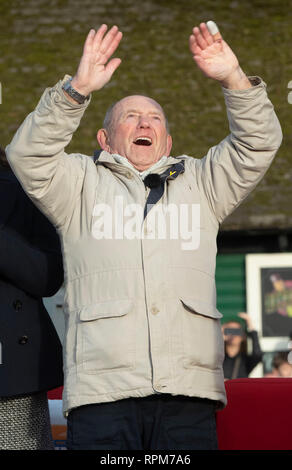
(139, 111)
(131, 111)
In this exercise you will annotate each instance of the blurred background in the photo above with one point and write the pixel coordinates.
(42, 40)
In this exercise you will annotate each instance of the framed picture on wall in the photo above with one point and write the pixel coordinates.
(269, 298)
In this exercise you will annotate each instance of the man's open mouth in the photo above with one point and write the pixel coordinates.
(143, 141)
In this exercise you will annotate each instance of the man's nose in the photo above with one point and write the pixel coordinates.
(144, 122)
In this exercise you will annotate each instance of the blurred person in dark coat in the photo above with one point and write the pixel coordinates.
(237, 362)
(30, 349)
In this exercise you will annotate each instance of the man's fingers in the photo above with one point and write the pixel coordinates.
(89, 40)
(195, 49)
(108, 40)
(99, 36)
(113, 45)
(213, 30)
(202, 43)
(112, 66)
(206, 34)
(102, 43)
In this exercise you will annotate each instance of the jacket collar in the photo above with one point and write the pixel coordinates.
(102, 157)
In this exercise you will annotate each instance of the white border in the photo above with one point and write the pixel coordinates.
(253, 265)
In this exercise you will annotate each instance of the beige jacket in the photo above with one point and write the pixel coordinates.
(141, 313)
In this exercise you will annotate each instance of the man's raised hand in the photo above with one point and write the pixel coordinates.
(215, 58)
(96, 66)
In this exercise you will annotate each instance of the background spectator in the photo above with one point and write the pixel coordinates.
(238, 363)
(281, 365)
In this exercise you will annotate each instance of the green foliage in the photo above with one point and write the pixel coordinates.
(41, 40)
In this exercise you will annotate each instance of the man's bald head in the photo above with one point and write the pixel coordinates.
(109, 115)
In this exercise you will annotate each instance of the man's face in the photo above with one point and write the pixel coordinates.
(138, 132)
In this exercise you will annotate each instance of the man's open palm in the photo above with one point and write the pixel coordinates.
(212, 55)
(95, 67)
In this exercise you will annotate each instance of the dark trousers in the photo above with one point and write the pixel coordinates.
(156, 422)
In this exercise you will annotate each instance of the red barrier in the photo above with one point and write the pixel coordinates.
(258, 415)
(55, 394)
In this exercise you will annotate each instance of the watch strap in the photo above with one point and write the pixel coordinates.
(74, 93)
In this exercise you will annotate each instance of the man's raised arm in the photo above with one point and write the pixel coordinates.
(231, 169)
(36, 154)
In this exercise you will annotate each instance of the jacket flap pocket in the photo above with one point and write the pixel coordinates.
(111, 308)
(202, 308)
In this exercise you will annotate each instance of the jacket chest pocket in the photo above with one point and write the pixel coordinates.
(203, 344)
(106, 336)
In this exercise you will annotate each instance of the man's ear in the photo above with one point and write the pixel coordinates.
(102, 139)
(168, 145)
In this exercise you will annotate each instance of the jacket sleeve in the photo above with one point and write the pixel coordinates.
(230, 170)
(51, 178)
(35, 269)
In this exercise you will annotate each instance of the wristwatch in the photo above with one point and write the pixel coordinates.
(73, 93)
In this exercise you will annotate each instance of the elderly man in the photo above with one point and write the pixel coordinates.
(143, 346)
